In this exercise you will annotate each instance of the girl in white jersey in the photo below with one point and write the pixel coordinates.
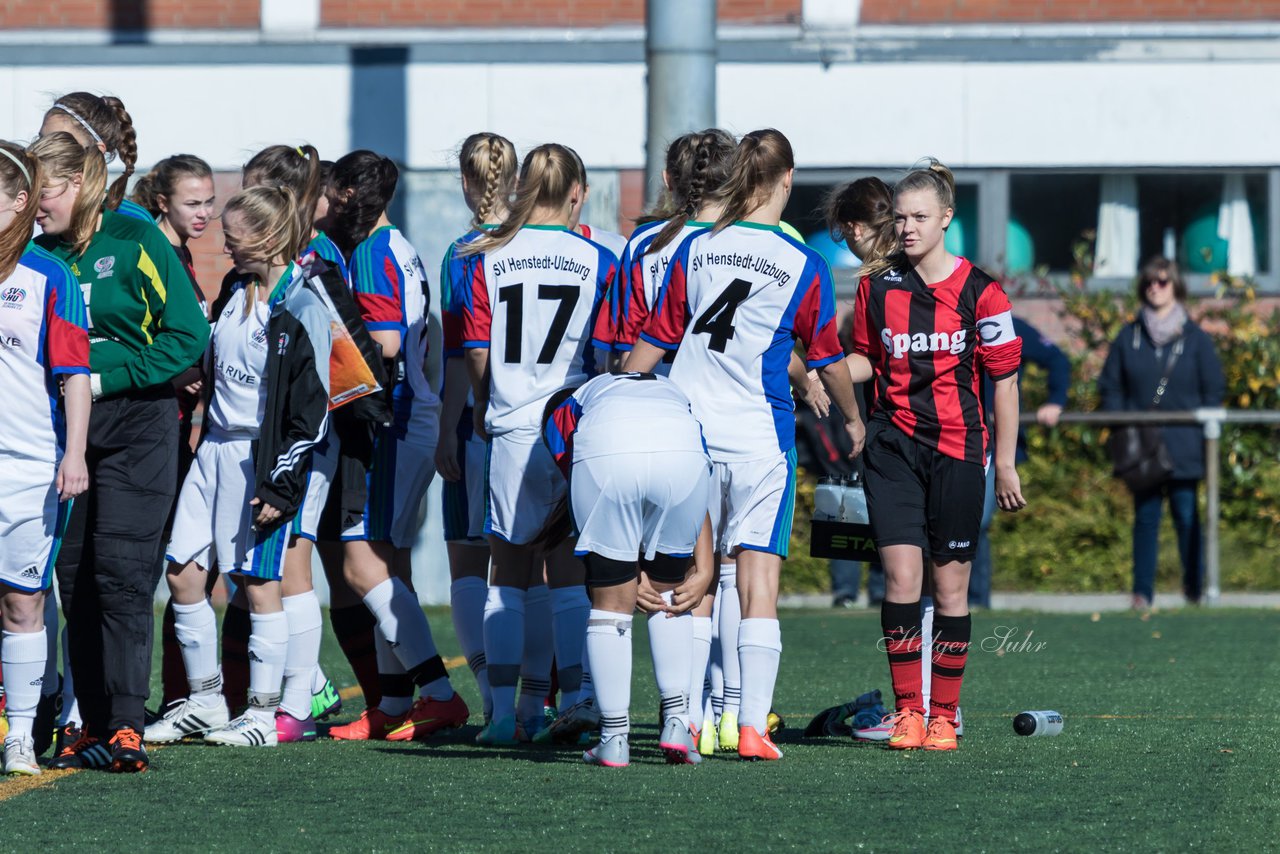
(390, 289)
(44, 344)
(640, 483)
(735, 298)
(215, 521)
(527, 325)
(488, 163)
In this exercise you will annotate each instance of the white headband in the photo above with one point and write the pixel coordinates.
(18, 163)
(84, 124)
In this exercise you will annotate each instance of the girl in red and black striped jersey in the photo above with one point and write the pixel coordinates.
(926, 323)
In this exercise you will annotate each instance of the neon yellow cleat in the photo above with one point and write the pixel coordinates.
(729, 731)
(707, 741)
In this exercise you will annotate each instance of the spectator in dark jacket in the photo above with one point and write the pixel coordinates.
(1036, 350)
(1163, 341)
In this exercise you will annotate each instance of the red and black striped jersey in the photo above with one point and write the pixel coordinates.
(927, 344)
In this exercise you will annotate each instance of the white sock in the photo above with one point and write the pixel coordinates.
(388, 665)
(698, 664)
(759, 650)
(504, 645)
(609, 647)
(670, 643)
(303, 656)
(570, 608)
(926, 649)
(406, 629)
(70, 708)
(23, 657)
(466, 599)
(715, 668)
(197, 629)
(318, 679)
(539, 650)
(268, 645)
(730, 618)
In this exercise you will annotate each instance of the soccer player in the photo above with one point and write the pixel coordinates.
(735, 298)
(103, 122)
(44, 351)
(299, 169)
(640, 483)
(390, 287)
(527, 317)
(488, 164)
(145, 328)
(178, 192)
(925, 323)
(611, 240)
(223, 515)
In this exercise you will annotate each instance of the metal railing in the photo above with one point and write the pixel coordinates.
(1211, 421)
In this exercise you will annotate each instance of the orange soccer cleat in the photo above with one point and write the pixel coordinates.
(941, 735)
(908, 729)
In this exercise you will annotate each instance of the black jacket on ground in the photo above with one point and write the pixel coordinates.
(1133, 371)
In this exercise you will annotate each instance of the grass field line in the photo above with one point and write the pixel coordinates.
(14, 786)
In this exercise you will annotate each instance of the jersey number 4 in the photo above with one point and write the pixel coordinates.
(717, 320)
(513, 297)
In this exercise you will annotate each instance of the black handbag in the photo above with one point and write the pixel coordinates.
(1139, 455)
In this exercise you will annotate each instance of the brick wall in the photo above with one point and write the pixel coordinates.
(1064, 11)
(558, 13)
(128, 14)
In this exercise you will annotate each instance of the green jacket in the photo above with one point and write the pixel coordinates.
(145, 325)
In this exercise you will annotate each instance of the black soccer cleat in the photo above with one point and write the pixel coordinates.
(128, 756)
(80, 751)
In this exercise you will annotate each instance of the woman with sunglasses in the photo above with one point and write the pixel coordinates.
(1164, 355)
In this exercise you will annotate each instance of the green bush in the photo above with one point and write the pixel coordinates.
(1074, 535)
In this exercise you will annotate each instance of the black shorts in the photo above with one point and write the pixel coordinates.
(917, 496)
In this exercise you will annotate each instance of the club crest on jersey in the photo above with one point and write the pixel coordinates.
(13, 297)
(106, 266)
(282, 343)
(899, 344)
(259, 339)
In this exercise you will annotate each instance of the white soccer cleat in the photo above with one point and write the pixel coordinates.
(676, 743)
(611, 752)
(20, 756)
(185, 719)
(245, 731)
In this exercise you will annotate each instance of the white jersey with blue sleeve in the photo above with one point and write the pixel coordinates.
(732, 305)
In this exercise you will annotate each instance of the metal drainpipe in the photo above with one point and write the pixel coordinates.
(680, 50)
(1212, 420)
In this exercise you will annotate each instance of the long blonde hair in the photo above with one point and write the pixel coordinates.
(271, 214)
(488, 162)
(547, 178)
(64, 158)
(20, 172)
(932, 176)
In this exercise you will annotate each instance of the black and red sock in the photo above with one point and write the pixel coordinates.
(900, 622)
(354, 628)
(950, 652)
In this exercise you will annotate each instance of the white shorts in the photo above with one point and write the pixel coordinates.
(753, 503)
(625, 505)
(415, 466)
(522, 487)
(324, 469)
(214, 522)
(32, 521)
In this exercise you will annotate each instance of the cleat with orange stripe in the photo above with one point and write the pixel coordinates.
(372, 725)
(754, 746)
(941, 735)
(908, 730)
(429, 716)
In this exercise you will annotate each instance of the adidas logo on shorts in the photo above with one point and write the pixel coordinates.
(31, 573)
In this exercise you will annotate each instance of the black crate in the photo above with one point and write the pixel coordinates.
(842, 541)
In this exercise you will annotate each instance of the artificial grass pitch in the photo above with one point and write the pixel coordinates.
(1171, 741)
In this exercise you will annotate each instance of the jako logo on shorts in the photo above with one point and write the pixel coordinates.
(900, 343)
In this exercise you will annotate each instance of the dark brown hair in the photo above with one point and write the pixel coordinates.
(368, 181)
(164, 177)
(697, 165)
(112, 123)
(759, 162)
(868, 201)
